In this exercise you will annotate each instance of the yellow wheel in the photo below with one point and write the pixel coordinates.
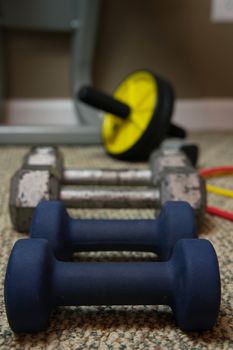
(138, 117)
(140, 92)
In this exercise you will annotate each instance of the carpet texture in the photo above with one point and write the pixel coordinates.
(138, 327)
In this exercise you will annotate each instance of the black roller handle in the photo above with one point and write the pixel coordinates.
(109, 104)
(192, 152)
(102, 101)
(176, 131)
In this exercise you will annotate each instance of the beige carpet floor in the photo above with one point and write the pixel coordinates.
(139, 327)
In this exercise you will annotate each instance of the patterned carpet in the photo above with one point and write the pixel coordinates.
(138, 327)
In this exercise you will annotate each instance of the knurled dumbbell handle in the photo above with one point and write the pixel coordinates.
(91, 198)
(107, 235)
(109, 177)
(140, 283)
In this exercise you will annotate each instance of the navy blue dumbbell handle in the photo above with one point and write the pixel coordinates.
(104, 235)
(112, 283)
(104, 102)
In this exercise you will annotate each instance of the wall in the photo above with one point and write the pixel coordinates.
(174, 38)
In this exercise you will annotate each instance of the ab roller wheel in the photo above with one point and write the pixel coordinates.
(138, 115)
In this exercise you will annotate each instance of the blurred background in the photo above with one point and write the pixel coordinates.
(176, 38)
(184, 41)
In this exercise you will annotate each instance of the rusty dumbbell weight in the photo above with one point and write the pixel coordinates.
(171, 177)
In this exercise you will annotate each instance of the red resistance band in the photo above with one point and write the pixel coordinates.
(216, 172)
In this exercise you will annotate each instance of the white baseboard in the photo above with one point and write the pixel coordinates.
(204, 114)
(198, 114)
(40, 112)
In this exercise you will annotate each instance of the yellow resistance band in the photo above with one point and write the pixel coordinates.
(219, 190)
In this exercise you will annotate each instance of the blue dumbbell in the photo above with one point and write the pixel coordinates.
(66, 235)
(36, 282)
